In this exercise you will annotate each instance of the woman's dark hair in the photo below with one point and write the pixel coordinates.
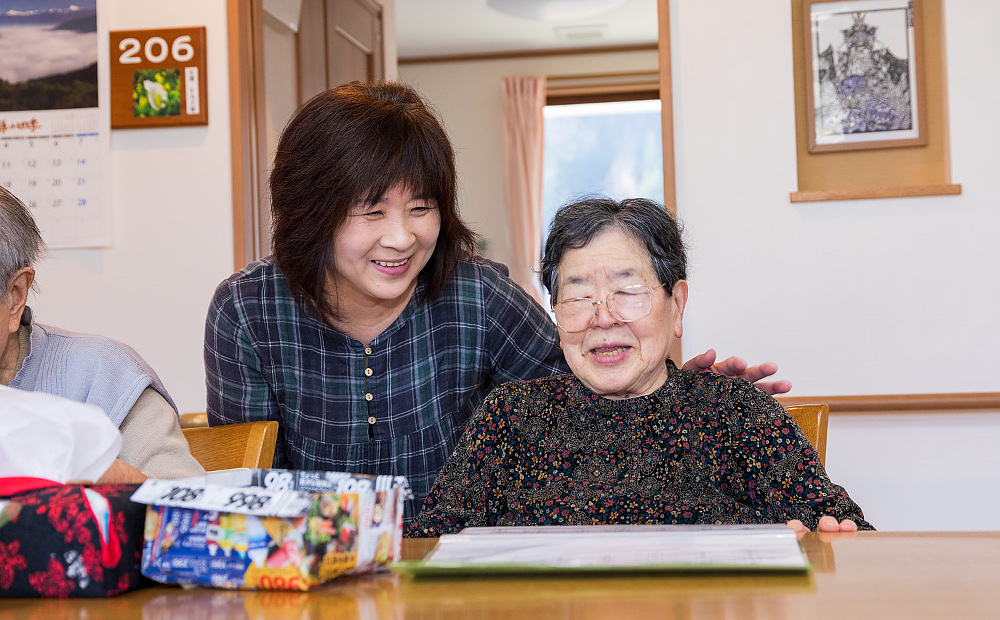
(350, 145)
(575, 225)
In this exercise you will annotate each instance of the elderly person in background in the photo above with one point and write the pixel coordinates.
(628, 438)
(88, 369)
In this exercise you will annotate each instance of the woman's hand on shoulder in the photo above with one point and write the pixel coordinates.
(737, 368)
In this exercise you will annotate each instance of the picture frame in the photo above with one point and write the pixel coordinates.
(864, 82)
(158, 77)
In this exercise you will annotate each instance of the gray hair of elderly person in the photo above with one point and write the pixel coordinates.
(577, 224)
(21, 244)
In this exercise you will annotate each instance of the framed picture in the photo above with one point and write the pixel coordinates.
(863, 74)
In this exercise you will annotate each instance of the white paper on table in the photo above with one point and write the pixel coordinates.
(722, 546)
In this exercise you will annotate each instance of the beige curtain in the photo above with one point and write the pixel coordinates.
(523, 99)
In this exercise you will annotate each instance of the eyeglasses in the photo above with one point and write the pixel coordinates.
(627, 305)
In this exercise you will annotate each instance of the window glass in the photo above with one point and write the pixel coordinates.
(608, 149)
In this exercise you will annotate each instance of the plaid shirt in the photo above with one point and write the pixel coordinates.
(394, 406)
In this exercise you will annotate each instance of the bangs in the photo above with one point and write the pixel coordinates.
(404, 155)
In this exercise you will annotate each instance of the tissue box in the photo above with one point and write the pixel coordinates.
(275, 529)
(70, 540)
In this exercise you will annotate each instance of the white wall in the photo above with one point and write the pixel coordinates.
(924, 472)
(172, 207)
(852, 297)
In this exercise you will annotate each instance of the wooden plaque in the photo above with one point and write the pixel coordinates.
(158, 78)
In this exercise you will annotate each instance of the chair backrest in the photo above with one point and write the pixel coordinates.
(194, 420)
(813, 420)
(250, 444)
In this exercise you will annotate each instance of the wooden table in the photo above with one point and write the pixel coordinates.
(870, 575)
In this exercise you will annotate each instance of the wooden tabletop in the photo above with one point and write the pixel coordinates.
(870, 575)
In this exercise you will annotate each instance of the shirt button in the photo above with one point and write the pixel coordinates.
(371, 419)
(368, 350)
(368, 372)
(369, 396)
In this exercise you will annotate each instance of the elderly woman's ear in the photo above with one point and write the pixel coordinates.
(678, 297)
(16, 297)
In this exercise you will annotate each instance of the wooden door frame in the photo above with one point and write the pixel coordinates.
(666, 106)
(246, 120)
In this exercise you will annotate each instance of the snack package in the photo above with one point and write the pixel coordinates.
(282, 530)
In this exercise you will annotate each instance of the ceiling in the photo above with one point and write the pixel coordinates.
(448, 27)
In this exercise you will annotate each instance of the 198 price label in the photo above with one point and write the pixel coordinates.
(250, 501)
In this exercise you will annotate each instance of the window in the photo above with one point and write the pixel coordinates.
(609, 149)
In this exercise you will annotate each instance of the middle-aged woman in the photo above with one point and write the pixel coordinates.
(373, 332)
(627, 437)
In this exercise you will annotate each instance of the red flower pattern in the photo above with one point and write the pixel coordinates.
(52, 583)
(10, 562)
(40, 569)
(66, 512)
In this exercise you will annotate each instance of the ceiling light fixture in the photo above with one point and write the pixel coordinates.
(554, 10)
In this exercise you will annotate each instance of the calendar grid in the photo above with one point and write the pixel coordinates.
(55, 161)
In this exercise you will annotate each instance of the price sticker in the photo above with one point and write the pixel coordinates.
(182, 495)
(249, 501)
(246, 500)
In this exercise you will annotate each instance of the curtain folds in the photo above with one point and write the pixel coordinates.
(523, 130)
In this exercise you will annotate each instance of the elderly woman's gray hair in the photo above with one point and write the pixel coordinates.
(575, 225)
(21, 244)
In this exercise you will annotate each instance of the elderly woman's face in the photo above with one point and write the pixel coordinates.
(611, 357)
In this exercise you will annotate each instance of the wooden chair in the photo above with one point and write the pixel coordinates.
(194, 420)
(233, 445)
(813, 420)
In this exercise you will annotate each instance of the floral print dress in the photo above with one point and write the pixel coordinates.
(700, 449)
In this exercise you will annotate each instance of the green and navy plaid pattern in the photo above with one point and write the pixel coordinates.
(269, 358)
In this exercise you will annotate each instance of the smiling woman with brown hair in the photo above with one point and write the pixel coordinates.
(627, 437)
(373, 332)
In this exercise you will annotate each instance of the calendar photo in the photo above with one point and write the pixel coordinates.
(48, 55)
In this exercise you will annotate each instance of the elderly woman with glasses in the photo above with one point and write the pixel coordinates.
(628, 437)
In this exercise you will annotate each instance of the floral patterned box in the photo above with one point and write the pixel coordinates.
(285, 530)
(70, 540)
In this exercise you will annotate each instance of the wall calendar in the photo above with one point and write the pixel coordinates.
(54, 131)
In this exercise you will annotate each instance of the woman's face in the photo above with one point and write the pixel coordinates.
(381, 248)
(612, 358)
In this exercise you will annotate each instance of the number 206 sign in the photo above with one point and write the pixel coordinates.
(158, 77)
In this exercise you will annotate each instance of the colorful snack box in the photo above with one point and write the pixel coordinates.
(270, 528)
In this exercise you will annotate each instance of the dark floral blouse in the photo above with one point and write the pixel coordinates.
(701, 449)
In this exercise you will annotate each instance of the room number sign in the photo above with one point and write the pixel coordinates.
(158, 77)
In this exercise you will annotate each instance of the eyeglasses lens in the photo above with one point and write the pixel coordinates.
(576, 315)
